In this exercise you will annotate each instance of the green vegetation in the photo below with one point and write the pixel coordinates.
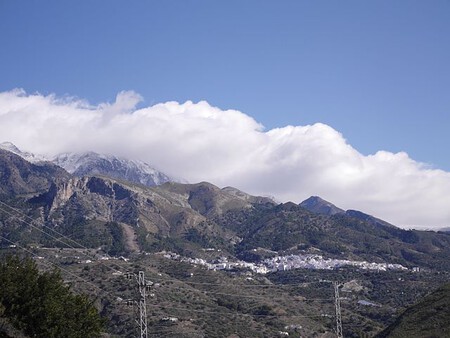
(289, 228)
(429, 318)
(40, 305)
(117, 246)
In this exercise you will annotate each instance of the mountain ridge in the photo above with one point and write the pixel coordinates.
(228, 228)
(92, 163)
(194, 216)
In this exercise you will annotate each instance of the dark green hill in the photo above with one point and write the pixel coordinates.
(290, 228)
(429, 318)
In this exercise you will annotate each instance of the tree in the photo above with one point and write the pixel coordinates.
(40, 305)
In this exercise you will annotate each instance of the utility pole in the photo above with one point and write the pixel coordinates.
(143, 286)
(337, 305)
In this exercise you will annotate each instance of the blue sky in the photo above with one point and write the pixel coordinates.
(344, 89)
(376, 71)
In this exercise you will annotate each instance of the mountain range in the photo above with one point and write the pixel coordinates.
(91, 163)
(93, 203)
(188, 217)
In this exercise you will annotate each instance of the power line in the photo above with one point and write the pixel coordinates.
(44, 226)
(142, 306)
(55, 238)
(68, 240)
(57, 266)
(47, 227)
(165, 333)
(242, 285)
(241, 314)
(261, 297)
(159, 306)
(94, 258)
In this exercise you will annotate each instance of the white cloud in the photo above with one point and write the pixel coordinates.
(202, 143)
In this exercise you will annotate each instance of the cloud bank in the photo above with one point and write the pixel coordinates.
(198, 142)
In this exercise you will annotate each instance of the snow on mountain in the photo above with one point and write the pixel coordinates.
(33, 158)
(91, 163)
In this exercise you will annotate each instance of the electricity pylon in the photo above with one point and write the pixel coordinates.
(142, 305)
(143, 286)
(337, 305)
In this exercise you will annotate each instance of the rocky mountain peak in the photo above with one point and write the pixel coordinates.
(320, 206)
(91, 163)
(30, 157)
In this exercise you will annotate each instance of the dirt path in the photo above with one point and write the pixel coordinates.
(130, 238)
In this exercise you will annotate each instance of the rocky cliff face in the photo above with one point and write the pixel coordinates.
(174, 213)
(71, 203)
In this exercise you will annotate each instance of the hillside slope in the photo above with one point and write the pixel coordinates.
(430, 318)
(289, 229)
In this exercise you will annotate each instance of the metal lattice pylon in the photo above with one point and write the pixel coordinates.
(337, 304)
(142, 305)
